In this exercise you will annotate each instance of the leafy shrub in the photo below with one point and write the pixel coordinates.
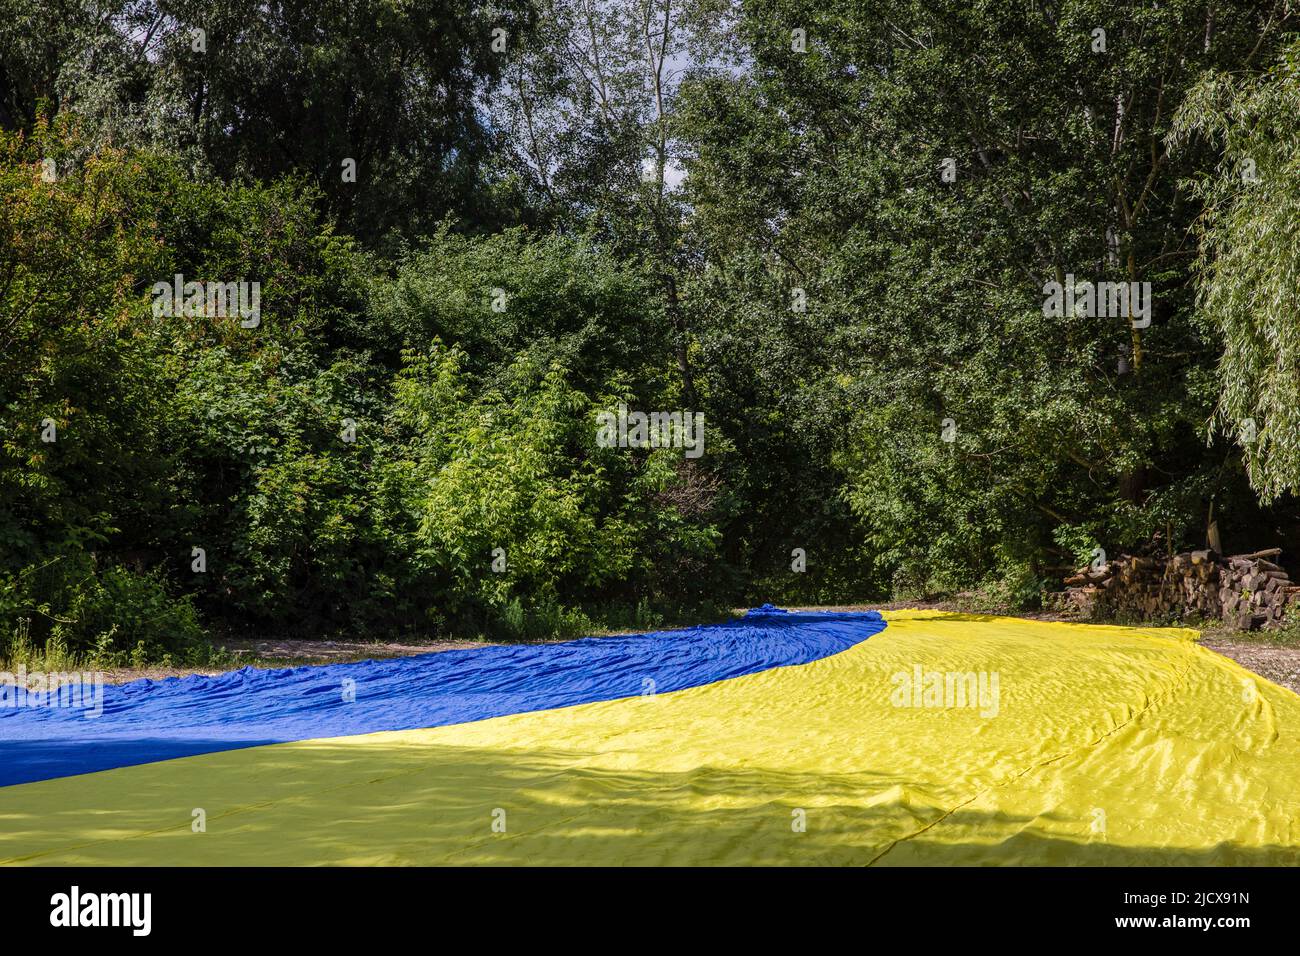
(81, 609)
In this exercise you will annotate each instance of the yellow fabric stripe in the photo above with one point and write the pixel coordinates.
(1109, 745)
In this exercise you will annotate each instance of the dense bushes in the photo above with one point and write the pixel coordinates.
(110, 613)
(404, 439)
(357, 461)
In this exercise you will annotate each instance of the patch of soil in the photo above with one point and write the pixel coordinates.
(293, 652)
(1279, 663)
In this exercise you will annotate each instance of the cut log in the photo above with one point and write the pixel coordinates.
(1266, 553)
(1244, 590)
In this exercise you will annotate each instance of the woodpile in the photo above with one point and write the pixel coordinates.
(1246, 591)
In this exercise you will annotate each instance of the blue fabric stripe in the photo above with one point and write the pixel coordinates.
(148, 720)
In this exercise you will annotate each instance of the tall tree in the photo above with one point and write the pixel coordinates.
(920, 171)
(589, 109)
(1249, 265)
(378, 103)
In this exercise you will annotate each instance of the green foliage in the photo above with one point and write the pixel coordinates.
(292, 88)
(135, 609)
(555, 299)
(1077, 541)
(821, 172)
(518, 473)
(512, 471)
(1250, 260)
(419, 399)
(73, 608)
(338, 471)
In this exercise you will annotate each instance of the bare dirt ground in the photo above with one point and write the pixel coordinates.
(1262, 653)
(333, 652)
(1279, 663)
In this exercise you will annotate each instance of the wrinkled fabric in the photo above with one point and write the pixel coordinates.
(1104, 745)
(150, 720)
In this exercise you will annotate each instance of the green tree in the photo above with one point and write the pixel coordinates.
(1249, 266)
(296, 87)
(823, 171)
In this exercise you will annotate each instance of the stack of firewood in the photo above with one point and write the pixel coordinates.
(1247, 591)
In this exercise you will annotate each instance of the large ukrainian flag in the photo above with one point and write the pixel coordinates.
(776, 739)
